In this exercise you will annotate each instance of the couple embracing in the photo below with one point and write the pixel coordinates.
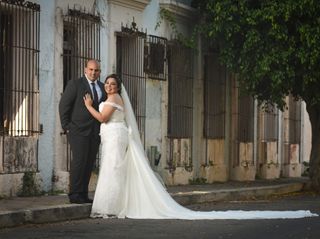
(127, 186)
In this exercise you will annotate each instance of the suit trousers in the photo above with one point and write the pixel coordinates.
(84, 151)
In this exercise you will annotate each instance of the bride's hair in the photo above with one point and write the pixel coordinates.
(118, 80)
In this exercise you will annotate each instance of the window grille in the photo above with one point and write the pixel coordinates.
(294, 120)
(246, 119)
(269, 119)
(19, 61)
(214, 98)
(81, 42)
(155, 57)
(130, 67)
(180, 74)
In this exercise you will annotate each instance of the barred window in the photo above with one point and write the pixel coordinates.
(269, 119)
(81, 42)
(294, 120)
(246, 119)
(130, 64)
(214, 98)
(180, 74)
(19, 61)
(155, 57)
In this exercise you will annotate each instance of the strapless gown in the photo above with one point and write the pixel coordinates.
(110, 191)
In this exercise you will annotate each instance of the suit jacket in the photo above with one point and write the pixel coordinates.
(74, 115)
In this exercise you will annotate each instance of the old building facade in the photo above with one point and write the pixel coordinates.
(193, 121)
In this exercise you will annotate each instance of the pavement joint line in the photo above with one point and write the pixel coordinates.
(238, 189)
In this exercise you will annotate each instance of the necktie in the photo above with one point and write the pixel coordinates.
(95, 95)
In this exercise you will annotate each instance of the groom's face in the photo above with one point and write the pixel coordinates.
(92, 70)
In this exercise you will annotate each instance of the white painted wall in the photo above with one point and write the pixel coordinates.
(306, 135)
(154, 89)
(48, 116)
(150, 17)
(102, 7)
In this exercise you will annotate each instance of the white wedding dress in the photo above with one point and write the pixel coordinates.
(128, 188)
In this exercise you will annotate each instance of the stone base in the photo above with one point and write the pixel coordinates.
(215, 173)
(242, 173)
(179, 177)
(292, 170)
(61, 181)
(270, 171)
(10, 184)
(93, 182)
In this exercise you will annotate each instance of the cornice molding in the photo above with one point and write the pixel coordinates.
(180, 10)
(133, 4)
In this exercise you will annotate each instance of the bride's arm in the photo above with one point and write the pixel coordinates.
(100, 116)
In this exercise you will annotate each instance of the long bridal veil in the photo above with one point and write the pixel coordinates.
(146, 197)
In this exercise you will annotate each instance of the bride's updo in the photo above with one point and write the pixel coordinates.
(118, 80)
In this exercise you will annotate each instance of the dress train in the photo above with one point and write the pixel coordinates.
(144, 196)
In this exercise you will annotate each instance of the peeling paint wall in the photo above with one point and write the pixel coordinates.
(20, 154)
(178, 161)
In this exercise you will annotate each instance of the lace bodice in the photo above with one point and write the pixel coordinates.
(118, 114)
(110, 186)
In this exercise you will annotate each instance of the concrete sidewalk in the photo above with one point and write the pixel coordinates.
(23, 210)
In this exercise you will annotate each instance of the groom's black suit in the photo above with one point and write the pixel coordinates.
(83, 135)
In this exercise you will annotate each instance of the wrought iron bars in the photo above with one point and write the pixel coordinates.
(155, 57)
(214, 98)
(130, 67)
(180, 74)
(19, 59)
(81, 42)
(269, 123)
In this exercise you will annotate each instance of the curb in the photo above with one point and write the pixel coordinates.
(66, 212)
(44, 215)
(235, 194)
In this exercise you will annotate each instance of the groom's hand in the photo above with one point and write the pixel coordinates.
(87, 100)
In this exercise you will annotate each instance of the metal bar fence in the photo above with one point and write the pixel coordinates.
(19, 58)
(180, 73)
(155, 57)
(130, 55)
(19, 85)
(214, 98)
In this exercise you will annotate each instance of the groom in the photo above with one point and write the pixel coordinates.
(82, 129)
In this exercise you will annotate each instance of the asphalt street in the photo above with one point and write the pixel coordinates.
(305, 228)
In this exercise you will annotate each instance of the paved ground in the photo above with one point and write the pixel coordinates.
(54, 208)
(304, 228)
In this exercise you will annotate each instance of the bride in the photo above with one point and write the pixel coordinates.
(127, 186)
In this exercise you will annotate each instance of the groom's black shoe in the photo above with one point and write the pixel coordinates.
(77, 198)
(86, 197)
(88, 200)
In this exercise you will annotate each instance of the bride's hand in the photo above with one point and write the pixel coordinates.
(87, 100)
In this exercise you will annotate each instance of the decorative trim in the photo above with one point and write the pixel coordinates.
(179, 9)
(23, 3)
(134, 4)
(83, 15)
(133, 30)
